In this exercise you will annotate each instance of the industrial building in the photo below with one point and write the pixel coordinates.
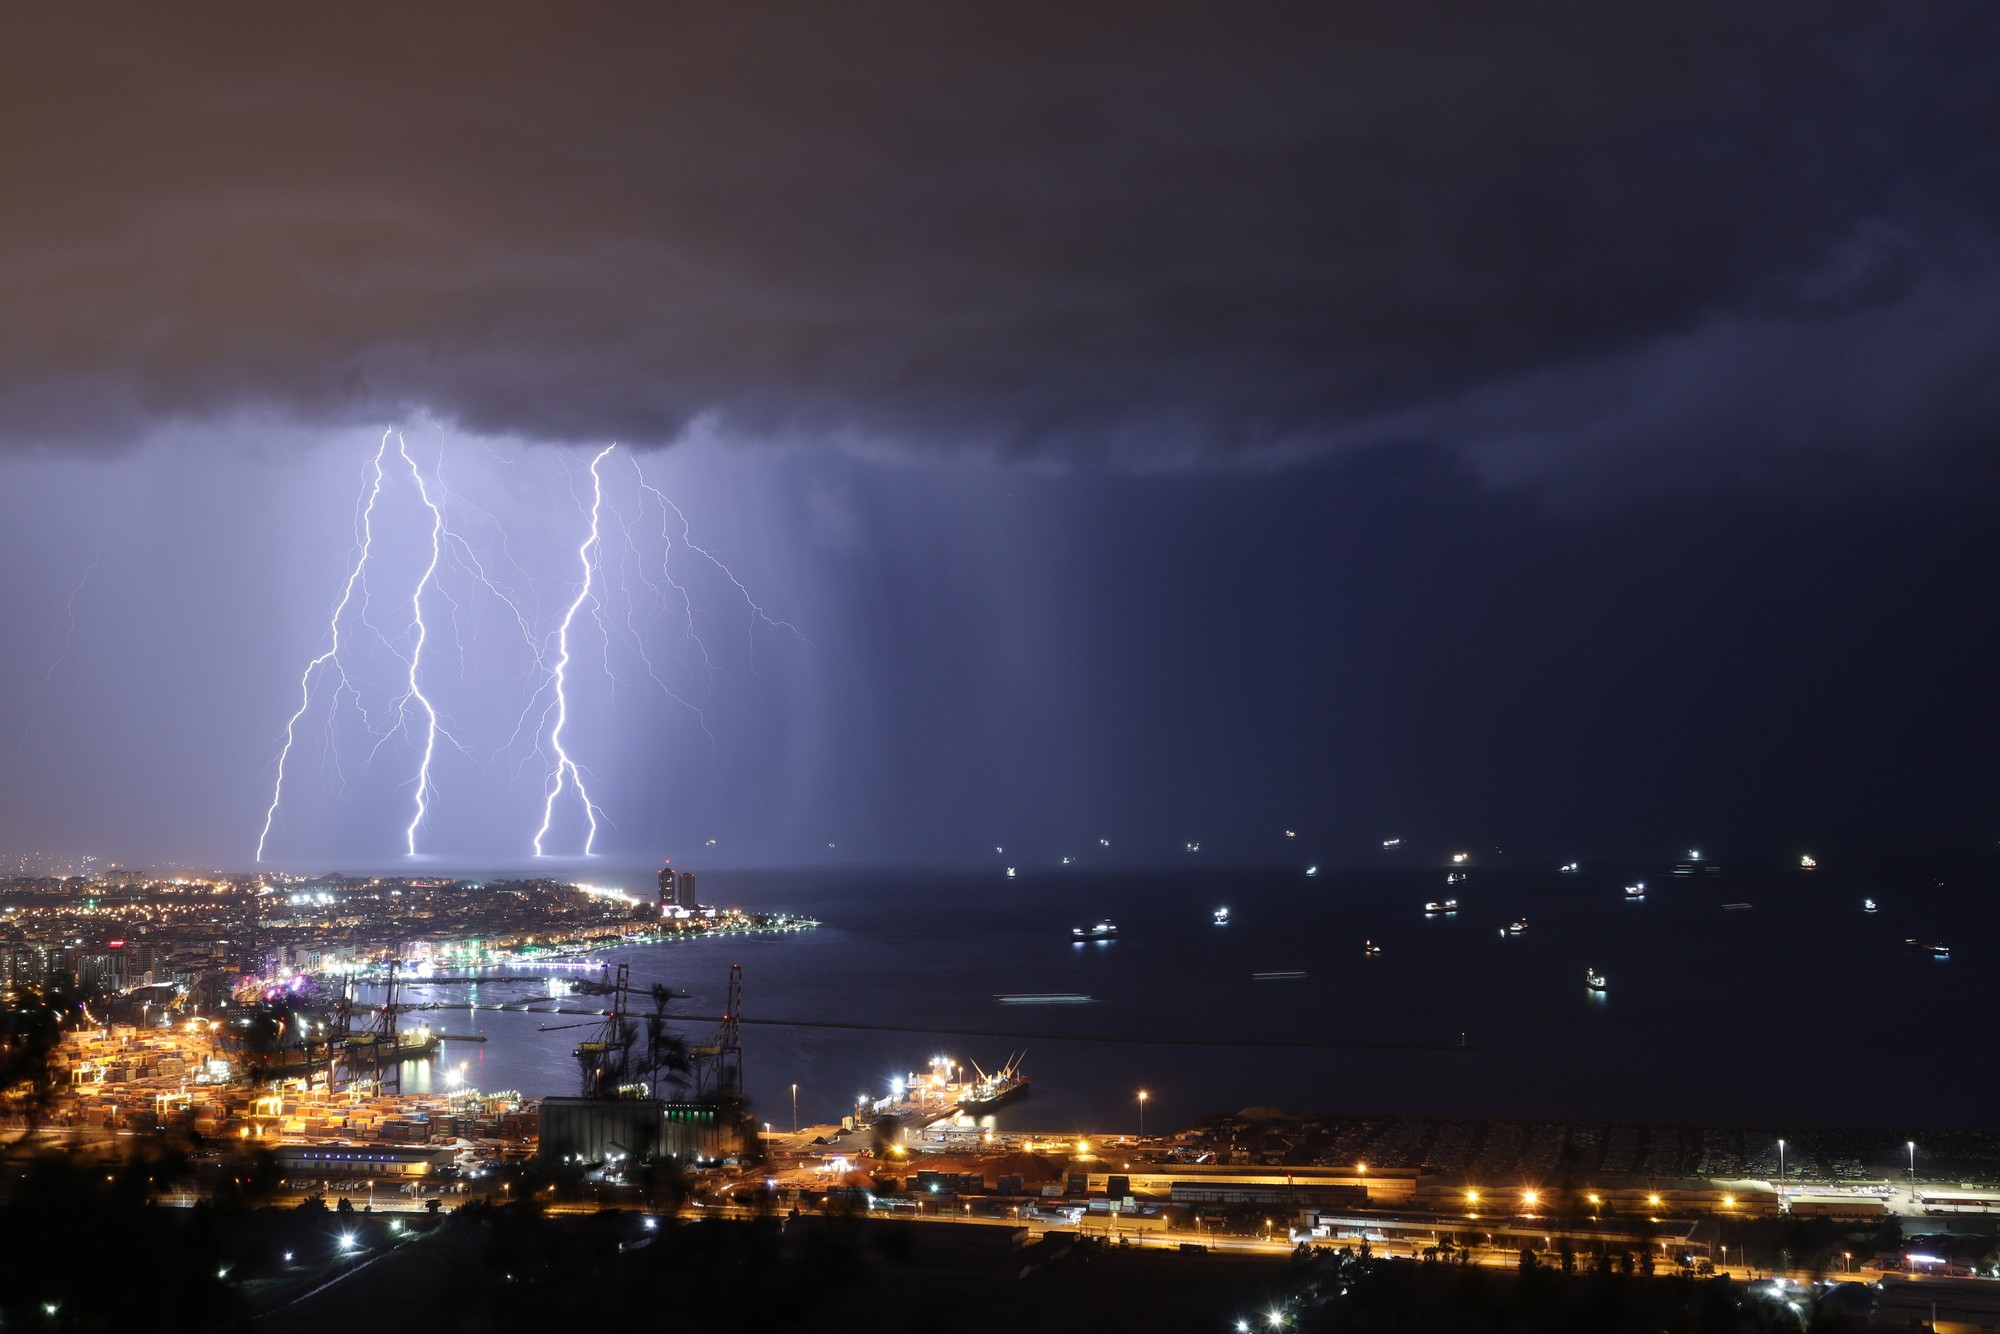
(597, 1130)
(397, 1161)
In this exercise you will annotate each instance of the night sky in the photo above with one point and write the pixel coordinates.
(1569, 428)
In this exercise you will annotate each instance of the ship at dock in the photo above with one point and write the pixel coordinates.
(942, 1093)
(990, 1091)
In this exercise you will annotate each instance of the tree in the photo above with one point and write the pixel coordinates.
(666, 1053)
(30, 1031)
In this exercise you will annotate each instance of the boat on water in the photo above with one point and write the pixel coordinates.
(1569, 868)
(1456, 877)
(1221, 916)
(1439, 906)
(1932, 948)
(990, 1091)
(1104, 930)
(1637, 891)
(1312, 870)
(1284, 975)
(1594, 979)
(1868, 905)
(1370, 948)
(1808, 863)
(1516, 927)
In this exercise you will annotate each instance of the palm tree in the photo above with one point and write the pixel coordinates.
(666, 1052)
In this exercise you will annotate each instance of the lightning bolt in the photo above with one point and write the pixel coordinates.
(566, 770)
(417, 652)
(687, 613)
(332, 652)
(757, 612)
(544, 721)
(466, 558)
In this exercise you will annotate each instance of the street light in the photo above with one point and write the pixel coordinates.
(1781, 1174)
(1143, 1095)
(795, 1109)
(1912, 1147)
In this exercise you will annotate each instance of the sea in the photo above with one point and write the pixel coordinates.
(1800, 1009)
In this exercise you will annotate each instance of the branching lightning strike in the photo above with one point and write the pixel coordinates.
(417, 653)
(331, 655)
(566, 770)
(545, 723)
(757, 612)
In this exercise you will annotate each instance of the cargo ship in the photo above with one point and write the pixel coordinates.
(991, 1091)
(1102, 931)
(938, 1094)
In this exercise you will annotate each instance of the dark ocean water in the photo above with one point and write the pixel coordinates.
(1801, 1010)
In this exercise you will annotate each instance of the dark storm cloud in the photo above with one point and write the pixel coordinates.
(1634, 241)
